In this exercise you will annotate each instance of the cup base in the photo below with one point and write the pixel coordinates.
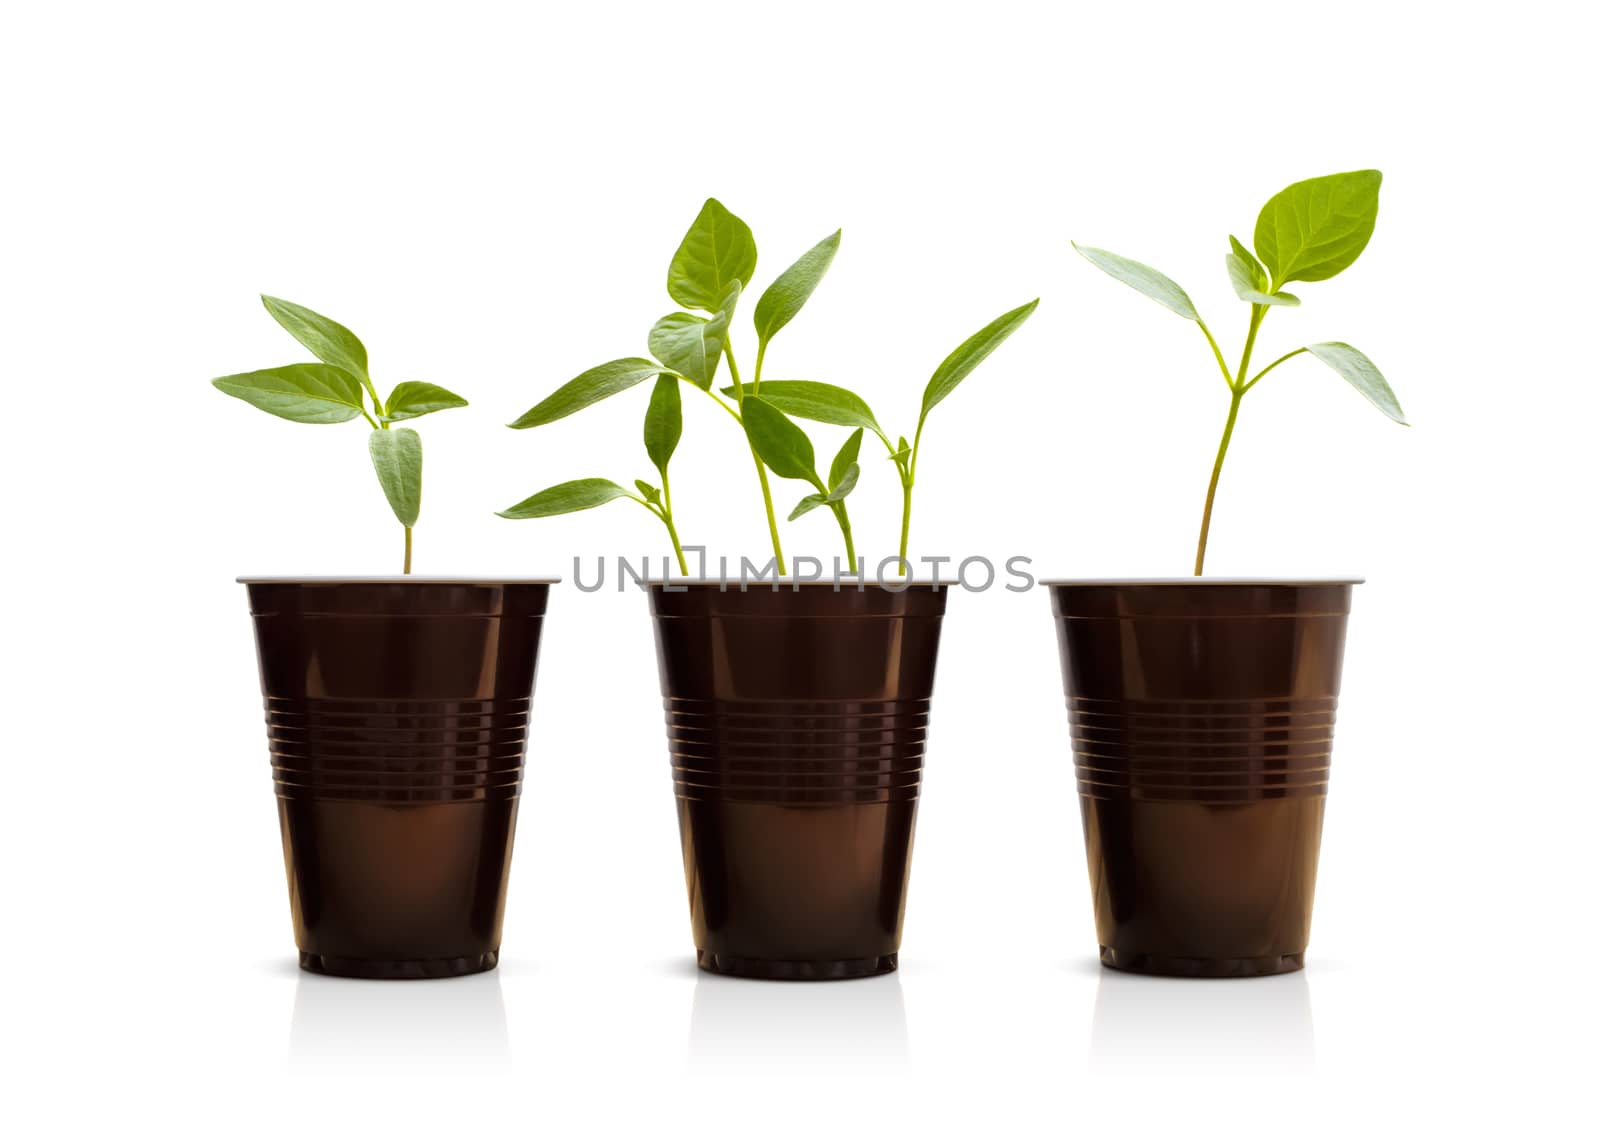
(755, 968)
(363, 968)
(1201, 967)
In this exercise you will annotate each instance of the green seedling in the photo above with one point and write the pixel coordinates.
(336, 390)
(1310, 231)
(708, 273)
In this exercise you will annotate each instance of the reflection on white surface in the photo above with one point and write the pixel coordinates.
(354, 1020)
(760, 1020)
(1137, 1018)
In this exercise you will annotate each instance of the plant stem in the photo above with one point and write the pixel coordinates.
(407, 568)
(843, 514)
(905, 520)
(1237, 387)
(1216, 473)
(666, 516)
(677, 546)
(761, 471)
(761, 354)
(1260, 375)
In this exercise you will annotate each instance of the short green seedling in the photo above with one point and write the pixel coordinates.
(1310, 231)
(709, 272)
(335, 391)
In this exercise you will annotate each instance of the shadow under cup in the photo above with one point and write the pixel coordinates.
(1202, 730)
(397, 718)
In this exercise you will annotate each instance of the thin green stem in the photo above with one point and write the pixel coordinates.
(761, 355)
(761, 471)
(407, 567)
(905, 520)
(677, 546)
(1227, 377)
(842, 515)
(1260, 374)
(1237, 387)
(1258, 313)
(373, 423)
(1216, 474)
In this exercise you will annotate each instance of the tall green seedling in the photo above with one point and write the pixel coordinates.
(708, 274)
(338, 389)
(1310, 231)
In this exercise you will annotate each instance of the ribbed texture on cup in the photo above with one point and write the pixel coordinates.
(415, 750)
(1217, 751)
(397, 714)
(789, 753)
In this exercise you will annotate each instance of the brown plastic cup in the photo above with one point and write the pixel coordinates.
(1202, 728)
(796, 720)
(397, 714)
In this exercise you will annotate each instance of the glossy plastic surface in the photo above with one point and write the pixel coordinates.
(396, 720)
(1202, 727)
(796, 722)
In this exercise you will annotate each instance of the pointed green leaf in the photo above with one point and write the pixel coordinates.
(718, 250)
(959, 363)
(788, 294)
(1245, 286)
(839, 490)
(1156, 285)
(844, 460)
(1249, 278)
(902, 452)
(567, 498)
(780, 444)
(807, 504)
(592, 386)
(303, 393)
(819, 402)
(1362, 374)
(328, 340)
(397, 457)
(651, 494)
(693, 345)
(1315, 229)
(663, 422)
(411, 400)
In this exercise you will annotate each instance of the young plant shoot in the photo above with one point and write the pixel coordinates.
(708, 273)
(1310, 231)
(335, 391)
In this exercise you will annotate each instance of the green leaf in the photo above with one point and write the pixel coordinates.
(663, 422)
(592, 386)
(788, 294)
(819, 402)
(840, 489)
(780, 444)
(693, 345)
(844, 460)
(411, 400)
(1244, 286)
(718, 250)
(1250, 279)
(330, 341)
(567, 498)
(807, 504)
(1156, 285)
(959, 363)
(303, 393)
(397, 457)
(651, 494)
(902, 452)
(1315, 229)
(1362, 374)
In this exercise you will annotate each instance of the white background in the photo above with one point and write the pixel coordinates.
(489, 195)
